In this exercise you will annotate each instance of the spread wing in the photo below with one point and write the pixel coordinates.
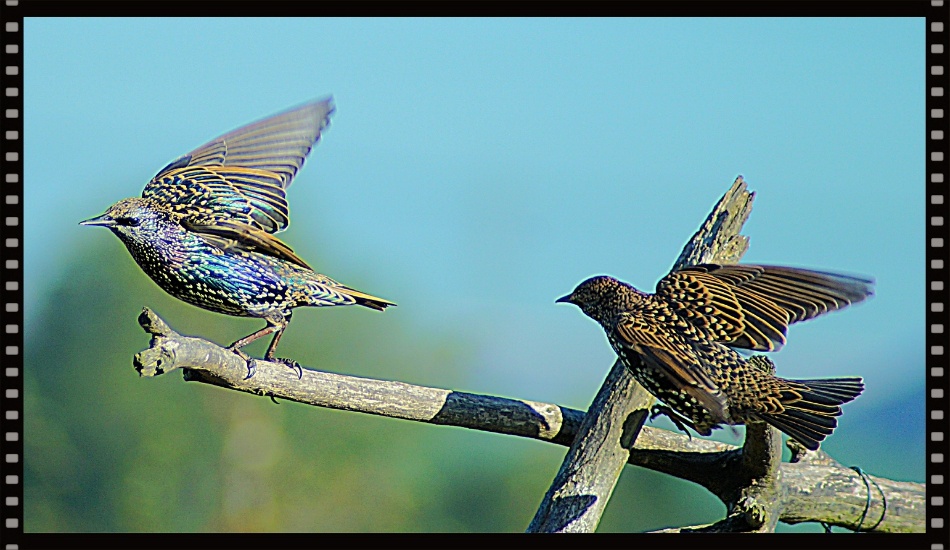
(242, 175)
(751, 306)
(672, 357)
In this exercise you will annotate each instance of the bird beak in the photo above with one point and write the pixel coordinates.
(103, 220)
(563, 299)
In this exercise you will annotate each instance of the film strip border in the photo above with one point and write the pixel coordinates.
(937, 164)
(11, 379)
(11, 167)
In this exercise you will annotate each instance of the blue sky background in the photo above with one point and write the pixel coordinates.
(477, 169)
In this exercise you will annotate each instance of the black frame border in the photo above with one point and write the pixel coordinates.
(11, 125)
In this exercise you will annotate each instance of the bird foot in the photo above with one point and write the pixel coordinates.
(251, 367)
(675, 417)
(290, 363)
(251, 362)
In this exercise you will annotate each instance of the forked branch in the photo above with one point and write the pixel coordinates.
(818, 489)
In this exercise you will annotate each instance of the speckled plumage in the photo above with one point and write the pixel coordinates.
(203, 228)
(678, 342)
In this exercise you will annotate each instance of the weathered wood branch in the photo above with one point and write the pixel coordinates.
(583, 485)
(813, 482)
(207, 362)
(816, 488)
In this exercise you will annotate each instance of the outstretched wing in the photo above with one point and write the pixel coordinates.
(672, 357)
(241, 176)
(751, 306)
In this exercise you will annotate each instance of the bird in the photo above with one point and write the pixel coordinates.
(680, 343)
(204, 227)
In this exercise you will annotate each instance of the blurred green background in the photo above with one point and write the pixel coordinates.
(109, 451)
(475, 170)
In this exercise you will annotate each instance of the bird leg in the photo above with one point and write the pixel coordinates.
(269, 354)
(678, 420)
(288, 362)
(272, 326)
(251, 362)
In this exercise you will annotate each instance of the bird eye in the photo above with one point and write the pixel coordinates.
(131, 221)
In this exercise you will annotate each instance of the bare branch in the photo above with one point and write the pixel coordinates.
(205, 361)
(701, 461)
(818, 482)
(718, 239)
(815, 488)
(580, 491)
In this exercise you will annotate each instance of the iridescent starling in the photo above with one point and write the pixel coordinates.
(203, 227)
(678, 343)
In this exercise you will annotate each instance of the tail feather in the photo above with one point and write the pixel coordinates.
(814, 407)
(810, 407)
(809, 418)
(836, 390)
(367, 300)
(807, 434)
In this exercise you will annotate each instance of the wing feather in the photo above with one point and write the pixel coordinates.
(242, 175)
(671, 357)
(230, 235)
(751, 306)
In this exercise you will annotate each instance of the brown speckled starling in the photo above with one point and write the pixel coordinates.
(678, 343)
(203, 227)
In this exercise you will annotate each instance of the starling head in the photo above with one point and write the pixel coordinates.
(601, 298)
(134, 219)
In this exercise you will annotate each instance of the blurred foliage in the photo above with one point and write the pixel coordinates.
(109, 451)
